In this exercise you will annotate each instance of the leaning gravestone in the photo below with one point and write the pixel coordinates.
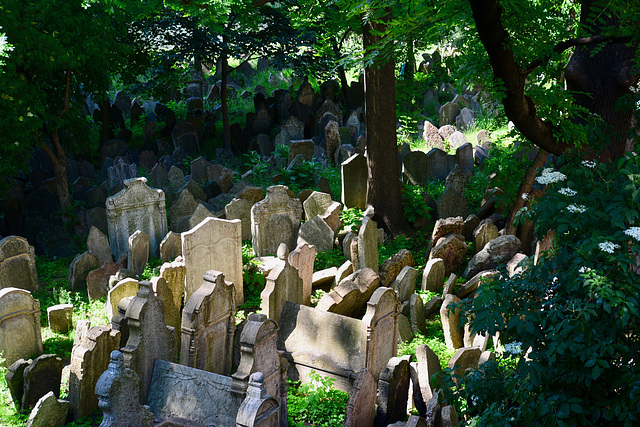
(138, 253)
(354, 182)
(451, 323)
(48, 411)
(393, 391)
(317, 232)
(433, 275)
(172, 316)
(125, 288)
(361, 407)
(208, 325)
(303, 258)
(137, 207)
(20, 335)
(275, 220)
(428, 364)
(98, 246)
(17, 264)
(80, 267)
(240, 209)
(174, 273)
(40, 377)
(405, 283)
(414, 168)
(316, 204)
(368, 245)
(170, 246)
(283, 284)
(214, 244)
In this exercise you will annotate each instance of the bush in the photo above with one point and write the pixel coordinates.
(316, 403)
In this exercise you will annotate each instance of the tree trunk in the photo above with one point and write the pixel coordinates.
(226, 134)
(383, 185)
(59, 160)
(602, 76)
(343, 75)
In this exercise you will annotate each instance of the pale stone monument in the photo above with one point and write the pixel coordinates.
(303, 258)
(138, 253)
(368, 244)
(275, 220)
(20, 335)
(17, 264)
(354, 182)
(283, 284)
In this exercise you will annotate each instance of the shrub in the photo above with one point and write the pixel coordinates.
(316, 403)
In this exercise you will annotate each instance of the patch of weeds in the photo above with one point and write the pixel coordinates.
(351, 218)
(427, 295)
(9, 417)
(435, 189)
(152, 269)
(413, 203)
(335, 180)
(253, 281)
(59, 344)
(317, 403)
(316, 297)
(334, 258)
(434, 339)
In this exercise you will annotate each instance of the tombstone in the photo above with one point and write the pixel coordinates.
(393, 391)
(149, 336)
(171, 247)
(199, 170)
(316, 204)
(457, 139)
(80, 267)
(176, 178)
(304, 147)
(350, 297)
(497, 251)
(118, 391)
(20, 335)
(98, 246)
(414, 168)
(451, 322)
(48, 411)
(332, 217)
(208, 325)
(361, 407)
(121, 171)
(258, 408)
(449, 416)
(18, 264)
(452, 202)
(368, 244)
(392, 266)
(240, 209)
(452, 250)
(275, 220)
(343, 271)
(483, 234)
(303, 258)
(137, 207)
(214, 244)
(172, 315)
(428, 364)
(199, 214)
(405, 333)
(15, 380)
(354, 182)
(175, 273)
(282, 284)
(464, 157)
(433, 276)
(416, 310)
(89, 358)
(405, 283)
(431, 136)
(138, 254)
(40, 377)
(60, 318)
(437, 166)
(317, 232)
(448, 113)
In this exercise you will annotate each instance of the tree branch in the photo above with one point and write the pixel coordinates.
(66, 94)
(567, 44)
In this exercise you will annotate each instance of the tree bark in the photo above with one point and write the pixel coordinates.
(383, 185)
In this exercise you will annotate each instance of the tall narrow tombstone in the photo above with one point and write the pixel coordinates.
(451, 323)
(433, 275)
(125, 288)
(174, 273)
(181, 211)
(428, 364)
(274, 220)
(79, 268)
(208, 325)
(368, 244)
(437, 168)
(241, 209)
(303, 258)
(20, 335)
(214, 244)
(18, 264)
(380, 321)
(89, 358)
(171, 246)
(98, 246)
(354, 182)
(361, 407)
(138, 254)
(172, 316)
(393, 391)
(137, 207)
(149, 336)
(15, 380)
(283, 284)
(98, 279)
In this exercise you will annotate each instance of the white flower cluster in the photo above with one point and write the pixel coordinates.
(549, 176)
(608, 246)
(584, 269)
(577, 208)
(513, 347)
(525, 196)
(567, 192)
(589, 164)
(633, 232)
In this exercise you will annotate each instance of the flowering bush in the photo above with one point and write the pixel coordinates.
(576, 314)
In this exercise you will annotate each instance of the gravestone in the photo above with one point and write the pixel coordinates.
(80, 267)
(208, 325)
(405, 283)
(174, 273)
(48, 411)
(121, 171)
(463, 359)
(240, 209)
(15, 380)
(427, 365)
(452, 250)
(171, 246)
(448, 113)
(118, 391)
(332, 137)
(433, 275)
(497, 251)
(354, 182)
(20, 335)
(484, 233)
(392, 266)
(172, 316)
(316, 204)
(368, 245)
(350, 297)
(332, 217)
(316, 232)
(452, 202)
(303, 147)
(138, 254)
(464, 157)
(361, 407)
(199, 170)
(137, 207)
(214, 244)
(275, 220)
(453, 334)
(89, 358)
(98, 246)
(125, 288)
(414, 168)
(149, 336)
(416, 314)
(175, 178)
(283, 284)
(303, 258)
(258, 408)
(158, 176)
(437, 168)
(60, 318)
(17, 264)
(40, 377)
(393, 391)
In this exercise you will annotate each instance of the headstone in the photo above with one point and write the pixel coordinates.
(391, 267)
(303, 147)
(368, 244)
(60, 318)
(464, 157)
(214, 244)
(283, 284)
(275, 220)
(433, 276)
(437, 168)
(316, 204)
(451, 322)
(175, 177)
(452, 202)
(98, 279)
(137, 207)
(452, 250)
(171, 247)
(405, 283)
(49, 411)
(350, 297)
(15, 380)
(303, 258)
(448, 113)
(175, 273)
(240, 209)
(208, 325)
(431, 136)
(258, 408)
(80, 267)
(159, 176)
(98, 246)
(332, 137)
(497, 251)
(199, 214)
(428, 364)
(393, 390)
(449, 416)
(361, 407)
(405, 333)
(332, 217)
(316, 232)
(89, 358)
(414, 168)
(118, 391)
(121, 171)
(457, 139)
(138, 254)
(149, 336)
(416, 309)
(20, 335)
(354, 182)
(40, 377)
(199, 170)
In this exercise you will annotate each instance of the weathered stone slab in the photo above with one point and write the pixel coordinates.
(452, 250)
(361, 407)
(391, 267)
(433, 275)
(181, 211)
(20, 335)
(98, 246)
(451, 322)
(15, 380)
(60, 318)
(405, 283)
(437, 168)
(18, 264)
(172, 315)
(303, 258)
(80, 267)
(497, 251)
(427, 365)
(258, 409)
(174, 273)
(416, 314)
(40, 377)
(171, 246)
(350, 297)
(368, 244)
(393, 391)
(354, 182)
(123, 289)
(283, 284)
(214, 244)
(240, 209)
(274, 220)
(138, 254)
(316, 204)
(414, 168)
(317, 233)
(49, 411)
(98, 279)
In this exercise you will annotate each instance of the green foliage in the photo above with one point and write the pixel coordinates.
(317, 296)
(434, 340)
(8, 415)
(316, 403)
(415, 243)
(152, 269)
(414, 205)
(260, 168)
(301, 176)
(328, 259)
(253, 280)
(351, 218)
(335, 180)
(576, 313)
(435, 189)
(282, 151)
